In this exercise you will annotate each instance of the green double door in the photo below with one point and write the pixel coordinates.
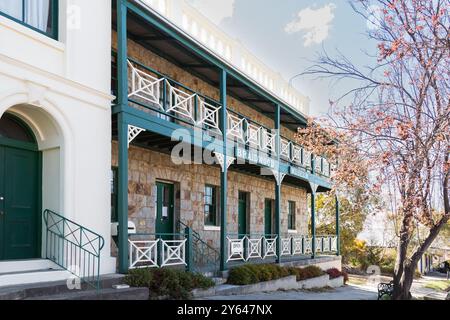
(164, 210)
(242, 213)
(19, 205)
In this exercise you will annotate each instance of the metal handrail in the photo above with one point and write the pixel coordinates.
(200, 246)
(182, 225)
(197, 236)
(73, 247)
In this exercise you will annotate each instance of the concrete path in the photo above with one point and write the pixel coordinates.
(349, 292)
(359, 288)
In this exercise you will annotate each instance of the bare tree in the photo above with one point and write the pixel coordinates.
(398, 120)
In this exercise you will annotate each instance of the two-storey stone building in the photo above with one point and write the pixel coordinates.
(127, 142)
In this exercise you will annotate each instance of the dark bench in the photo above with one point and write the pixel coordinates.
(385, 289)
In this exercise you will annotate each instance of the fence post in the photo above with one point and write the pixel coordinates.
(189, 250)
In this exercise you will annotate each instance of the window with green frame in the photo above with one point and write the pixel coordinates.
(114, 194)
(39, 15)
(291, 215)
(211, 206)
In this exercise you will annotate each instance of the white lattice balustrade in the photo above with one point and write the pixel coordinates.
(235, 249)
(270, 247)
(285, 146)
(286, 246)
(209, 115)
(181, 102)
(156, 253)
(235, 126)
(145, 86)
(268, 141)
(297, 154)
(143, 254)
(253, 134)
(254, 247)
(173, 252)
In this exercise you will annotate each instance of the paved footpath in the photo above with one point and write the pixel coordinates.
(349, 292)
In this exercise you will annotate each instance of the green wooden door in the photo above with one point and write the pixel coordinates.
(242, 214)
(268, 216)
(19, 206)
(164, 209)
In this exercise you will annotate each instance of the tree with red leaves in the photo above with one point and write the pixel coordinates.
(395, 133)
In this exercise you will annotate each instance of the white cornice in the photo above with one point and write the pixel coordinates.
(60, 83)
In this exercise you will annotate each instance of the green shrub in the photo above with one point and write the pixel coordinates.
(240, 276)
(139, 278)
(249, 274)
(387, 270)
(171, 283)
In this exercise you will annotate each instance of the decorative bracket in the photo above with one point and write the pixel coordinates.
(220, 159)
(314, 187)
(133, 132)
(279, 177)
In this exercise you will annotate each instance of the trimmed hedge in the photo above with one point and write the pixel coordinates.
(308, 273)
(166, 282)
(254, 273)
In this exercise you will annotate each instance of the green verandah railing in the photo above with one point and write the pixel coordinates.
(158, 250)
(73, 247)
(149, 92)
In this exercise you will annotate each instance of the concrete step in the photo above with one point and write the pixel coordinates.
(103, 294)
(219, 280)
(53, 288)
(15, 266)
(30, 277)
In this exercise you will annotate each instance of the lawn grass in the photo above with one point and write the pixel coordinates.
(441, 285)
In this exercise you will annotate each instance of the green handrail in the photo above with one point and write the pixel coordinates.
(73, 247)
(204, 254)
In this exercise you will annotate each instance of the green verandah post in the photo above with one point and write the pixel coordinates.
(189, 250)
(313, 223)
(338, 234)
(122, 99)
(278, 186)
(224, 172)
(313, 209)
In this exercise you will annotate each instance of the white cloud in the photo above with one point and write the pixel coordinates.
(316, 23)
(216, 11)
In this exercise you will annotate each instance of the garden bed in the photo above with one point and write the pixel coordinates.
(168, 283)
(247, 280)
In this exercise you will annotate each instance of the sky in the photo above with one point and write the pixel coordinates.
(287, 34)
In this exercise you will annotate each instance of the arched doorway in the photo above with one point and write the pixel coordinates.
(20, 191)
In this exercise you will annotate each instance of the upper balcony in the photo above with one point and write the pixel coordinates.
(168, 104)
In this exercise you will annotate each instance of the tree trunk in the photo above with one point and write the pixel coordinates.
(402, 287)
